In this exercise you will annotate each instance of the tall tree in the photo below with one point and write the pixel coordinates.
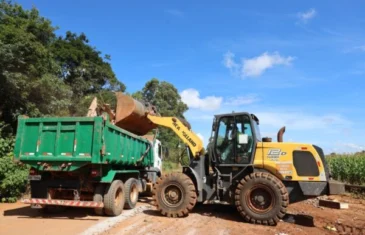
(28, 84)
(42, 74)
(83, 68)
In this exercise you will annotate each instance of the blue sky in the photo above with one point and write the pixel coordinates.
(298, 64)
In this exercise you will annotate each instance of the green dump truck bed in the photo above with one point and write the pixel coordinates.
(68, 143)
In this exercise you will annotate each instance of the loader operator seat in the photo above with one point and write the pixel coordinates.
(228, 148)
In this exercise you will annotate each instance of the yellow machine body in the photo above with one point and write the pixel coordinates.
(278, 159)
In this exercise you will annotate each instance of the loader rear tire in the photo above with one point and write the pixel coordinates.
(131, 193)
(114, 199)
(174, 195)
(261, 198)
(98, 197)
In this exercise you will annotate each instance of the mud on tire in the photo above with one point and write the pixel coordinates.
(114, 198)
(131, 193)
(261, 198)
(174, 195)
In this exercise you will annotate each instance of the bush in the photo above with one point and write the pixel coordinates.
(168, 166)
(348, 168)
(13, 178)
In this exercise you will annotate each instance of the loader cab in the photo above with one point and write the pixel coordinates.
(234, 138)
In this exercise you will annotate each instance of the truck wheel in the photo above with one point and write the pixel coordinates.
(114, 198)
(174, 195)
(131, 193)
(261, 198)
(98, 197)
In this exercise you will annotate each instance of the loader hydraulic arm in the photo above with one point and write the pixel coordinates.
(187, 136)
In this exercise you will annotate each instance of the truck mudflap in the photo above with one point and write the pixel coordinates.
(38, 202)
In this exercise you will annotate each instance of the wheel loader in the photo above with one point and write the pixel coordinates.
(240, 168)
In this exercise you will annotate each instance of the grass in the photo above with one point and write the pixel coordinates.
(168, 167)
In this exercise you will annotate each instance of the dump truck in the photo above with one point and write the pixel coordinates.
(258, 176)
(86, 162)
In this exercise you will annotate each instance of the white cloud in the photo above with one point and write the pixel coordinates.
(175, 12)
(229, 62)
(300, 121)
(355, 49)
(256, 66)
(354, 146)
(191, 97)
(361, 48)
(241, 100)
(306, 16)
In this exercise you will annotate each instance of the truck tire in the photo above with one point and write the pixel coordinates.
(174, 195)
(98, 197)
(114, 198)
(261, 198)
(131, 193)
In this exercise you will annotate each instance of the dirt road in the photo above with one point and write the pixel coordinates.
(205, 219)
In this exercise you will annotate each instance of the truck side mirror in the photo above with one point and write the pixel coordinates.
(242, 139)
(166, 152)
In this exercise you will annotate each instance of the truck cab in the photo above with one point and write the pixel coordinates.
(158, 154)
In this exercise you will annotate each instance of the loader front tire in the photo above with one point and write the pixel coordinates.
(261, 198)
(174, 195)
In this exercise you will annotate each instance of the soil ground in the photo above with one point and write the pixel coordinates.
(18, 218)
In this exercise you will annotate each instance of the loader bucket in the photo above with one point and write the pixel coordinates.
(131, 115)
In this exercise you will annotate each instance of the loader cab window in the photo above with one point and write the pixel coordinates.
(229, 146)
(224, 146)
(244, 150)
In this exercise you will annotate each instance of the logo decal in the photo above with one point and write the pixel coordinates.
(274, 154)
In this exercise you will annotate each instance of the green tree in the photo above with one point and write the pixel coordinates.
(13, 178)
(26, 65)
(83, 69)
(42, 74)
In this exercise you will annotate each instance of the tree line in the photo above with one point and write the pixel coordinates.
(44, 74)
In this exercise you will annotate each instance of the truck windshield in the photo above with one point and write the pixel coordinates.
(257, 130)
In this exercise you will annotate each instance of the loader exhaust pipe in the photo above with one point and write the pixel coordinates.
(280, 134)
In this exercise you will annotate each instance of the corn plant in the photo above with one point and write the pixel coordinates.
(348, 168)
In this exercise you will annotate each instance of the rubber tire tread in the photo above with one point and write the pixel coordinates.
(128, 185)
(189, 195)
(279, 209)
(98, 197)
(109, 197)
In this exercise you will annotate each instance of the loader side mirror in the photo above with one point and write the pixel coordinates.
(242, 139)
